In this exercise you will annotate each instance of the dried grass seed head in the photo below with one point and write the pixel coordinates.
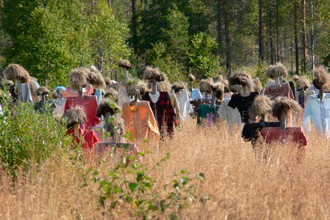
(302, 83)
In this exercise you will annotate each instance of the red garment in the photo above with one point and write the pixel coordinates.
(283, 90)
(89, 137)
(163, 111)
(276, 134)
(89, 103)
(69, 92)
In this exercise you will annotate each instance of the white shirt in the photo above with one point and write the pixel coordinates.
(184, 105)
(319, 112)
(231, 115)
(154, 97)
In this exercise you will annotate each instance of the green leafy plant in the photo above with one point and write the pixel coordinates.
(130, 184)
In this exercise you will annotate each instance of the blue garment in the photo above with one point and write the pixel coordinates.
(98, 94)
(196, 94)
(58, 88)
(319, 112)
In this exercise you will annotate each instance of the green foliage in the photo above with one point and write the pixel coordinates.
(202, 61)
(51, 38)
(26, 137)
(130, 184)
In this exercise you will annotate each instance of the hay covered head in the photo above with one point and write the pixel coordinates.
(277, 70)
(75, 115)
(320, 77)
(242, 79)
(285, 106)
(78, 78)
(261, 107)
(16, 72)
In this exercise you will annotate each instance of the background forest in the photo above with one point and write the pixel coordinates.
(203, 37)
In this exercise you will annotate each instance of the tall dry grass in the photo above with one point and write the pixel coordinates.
(241, 185)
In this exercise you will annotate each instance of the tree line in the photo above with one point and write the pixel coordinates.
(202, 37)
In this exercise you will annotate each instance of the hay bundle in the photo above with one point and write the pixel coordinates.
(226, 86)
(284, 105)
(42, 91)
(107, 81)
(75, 115)
(295, 78)
(151, 73)
(164, 86)
(205, 85)
(78, 78)
(177, 86)
(125, 64)
(218, 89)
(321, 77)
(8, 83)
(95, 78)
(242, 78)
(191, 78)
(326, 88)
(107, 106)
(136, 86)
(257, 85)
(218, 78)
(276, 70)
(302, 83)
(16, 72)
(261, 107)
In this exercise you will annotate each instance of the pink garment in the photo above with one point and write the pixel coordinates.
(283, 90)
(89, 103)
(278, 135)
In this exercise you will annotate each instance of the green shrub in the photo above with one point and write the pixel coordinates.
(27, 137)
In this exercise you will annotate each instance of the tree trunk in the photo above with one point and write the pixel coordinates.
(295, 29)
(227, 36)
(261, 31)
(271, 45)
(304, 37)
(219, 25)
(134, 27)
(313, 36)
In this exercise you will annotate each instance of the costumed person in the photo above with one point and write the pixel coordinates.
(22, 90)
(232, 116)
(112, 125)
(182, 95)
(283, 109)
(318, 105)
(96, 79)
(122, 94)
(43, 105)
(302, 93)
(279, 88)
(76, 118)
(245, 98)
(209, 111)
(139, 119)
(260, 110)
(78, 80)
(160, 102)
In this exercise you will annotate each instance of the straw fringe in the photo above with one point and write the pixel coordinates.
(285, 105)
(78, 78)
(321, 77)
(125, 64)
(75, 115)
(16, 72)
(261, 107)
(107, 106)
(302, 83)
(95, 78)
(42, 91)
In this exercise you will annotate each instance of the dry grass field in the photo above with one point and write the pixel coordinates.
(240, 185)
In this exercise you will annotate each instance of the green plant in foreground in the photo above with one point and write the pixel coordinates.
(130, 187)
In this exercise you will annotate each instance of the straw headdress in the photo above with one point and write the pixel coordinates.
(191, 77)
(16, 72)
(218, 89)
(302, 83)
(276, 70)
(42, 91)
(177, 86)
(321, 77)
(151, 73)
(164, 86)
(295, 78)
(326, 88)
(78, 78)
(125, 64)
(95, 78)
(107, 81)
(284, 105)
(242, 78)
(136, 86)
(75, 115)
(107, 106)
(218, 78)
(257, 85)
(261, 106)
(206, 85)
(8, 83)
